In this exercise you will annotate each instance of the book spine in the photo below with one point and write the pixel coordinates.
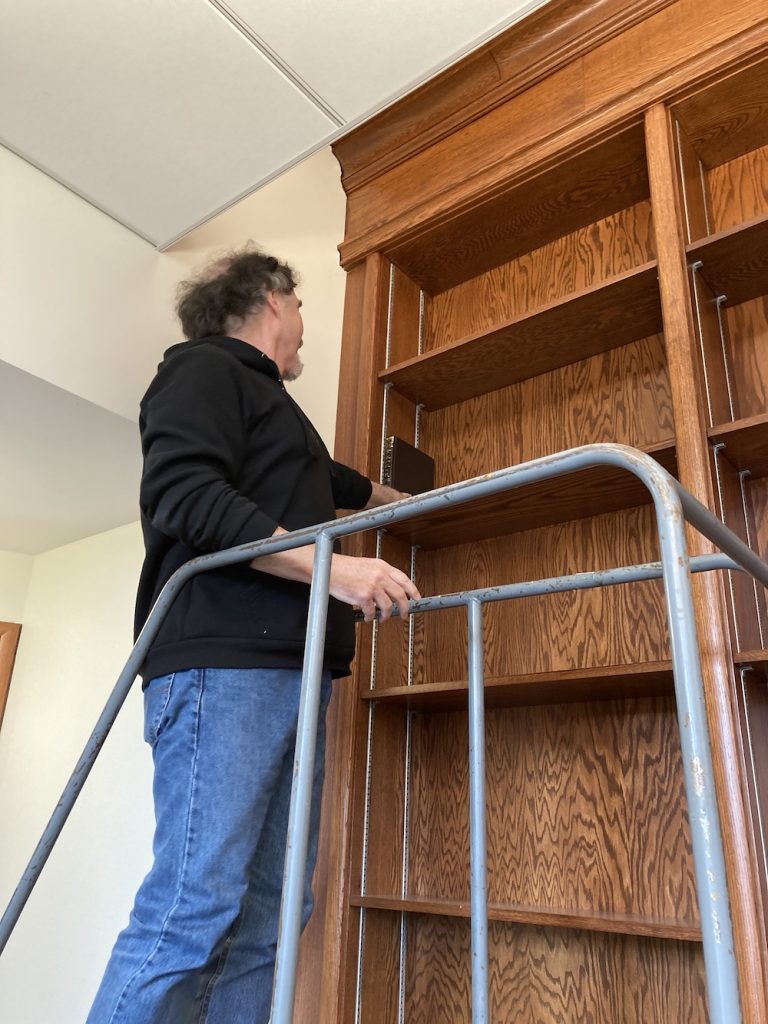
(386, 474)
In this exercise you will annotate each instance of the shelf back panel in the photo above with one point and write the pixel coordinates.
(588, 809)
(572, 262)
(581, 629)
(548, 976)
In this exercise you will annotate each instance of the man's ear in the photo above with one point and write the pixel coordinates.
(273, 303)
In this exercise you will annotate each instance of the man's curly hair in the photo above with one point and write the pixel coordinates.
(234, 286)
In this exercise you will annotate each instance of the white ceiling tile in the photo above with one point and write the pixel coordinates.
(158, 111)
(360, 56)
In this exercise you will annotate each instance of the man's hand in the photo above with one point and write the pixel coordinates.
(369, 583)
(372, 584)
(383, 495)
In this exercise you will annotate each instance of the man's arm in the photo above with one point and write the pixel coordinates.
(370, 583)
(383, 495)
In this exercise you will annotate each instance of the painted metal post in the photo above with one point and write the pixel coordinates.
(301, 795)
(706, 833)
(477, 838)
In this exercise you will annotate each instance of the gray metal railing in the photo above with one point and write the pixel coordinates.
(673, 505)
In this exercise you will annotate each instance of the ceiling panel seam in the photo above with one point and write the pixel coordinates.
(275, 59)
(54, 176)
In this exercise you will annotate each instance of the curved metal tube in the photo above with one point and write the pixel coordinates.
(673, 504)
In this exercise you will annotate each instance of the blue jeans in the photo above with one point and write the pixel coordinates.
(200, 943)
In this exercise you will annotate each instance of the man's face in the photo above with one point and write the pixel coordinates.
(291, 336)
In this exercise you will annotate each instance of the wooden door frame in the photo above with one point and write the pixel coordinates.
(9, 642)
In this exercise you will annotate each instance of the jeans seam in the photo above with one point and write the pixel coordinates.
(182, 871)
(208, 995)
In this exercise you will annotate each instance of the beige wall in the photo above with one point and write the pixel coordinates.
(79, 304)
(76, 637)
(99, 333)
(299, 218)
(87, 305)
(15, 571)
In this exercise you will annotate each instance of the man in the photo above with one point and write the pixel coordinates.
(229, 458)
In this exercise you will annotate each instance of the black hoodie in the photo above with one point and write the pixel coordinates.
(229, 456)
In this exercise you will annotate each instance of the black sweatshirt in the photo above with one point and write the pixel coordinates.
(229, 456)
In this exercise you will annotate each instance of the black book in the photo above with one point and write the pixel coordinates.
(407, 468)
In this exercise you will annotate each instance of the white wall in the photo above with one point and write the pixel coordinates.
(15, 571)
(87, 305)
(98, 331)
(76, 636)
(79, 306)
(299, 218)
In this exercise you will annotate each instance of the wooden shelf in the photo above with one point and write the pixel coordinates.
(735, 262)
(623, 924)
(758, 657)
(583, 324)
(560, 500)
(746, 443)
(612, 682)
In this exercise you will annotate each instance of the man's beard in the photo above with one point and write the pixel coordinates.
(294, 370)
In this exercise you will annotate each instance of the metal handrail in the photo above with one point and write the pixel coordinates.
(673, 505)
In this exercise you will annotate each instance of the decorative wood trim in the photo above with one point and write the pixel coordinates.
(386, 214)
(711, 616)
(526, 53)
(9, 642)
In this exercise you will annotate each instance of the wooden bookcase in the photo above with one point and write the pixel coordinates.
(519, 284)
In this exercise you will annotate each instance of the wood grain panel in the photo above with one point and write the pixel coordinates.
(735, 262)
(522, 913)
(324, 969)
(757, 518)
(385, 840)
(612, 682)
(384, 873)
(584, 324)
(404, 328)
(742, 591)
(620, 396)
(739, 189)
(329, 987)
(693, 187)
(510, 63)
(748, 349)
(746, 443)
(709, 328)
(730, 117)
(708, 588)
(561, 499)
(571, 263)
(595, 183)
(612, 626)
(597, 822)
(580, 103)
(381, 968)
(547, 976)
(754, 708)
(401, 418)
(392, 636)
